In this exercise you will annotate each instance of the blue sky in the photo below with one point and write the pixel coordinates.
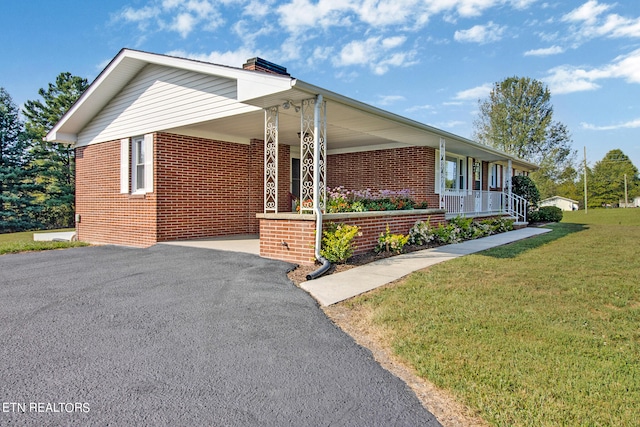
(430, 60)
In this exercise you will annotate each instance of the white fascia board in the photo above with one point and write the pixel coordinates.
(128, 63)
(62, 138)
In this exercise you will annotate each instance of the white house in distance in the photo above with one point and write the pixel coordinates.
(561, 202)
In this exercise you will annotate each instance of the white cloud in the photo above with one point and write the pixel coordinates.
(183, 24)
(379, 13)
(389, 99)
(375, 53)
(184, 16)
(590, 21)
(568, 79)
(300, 14)
(451, 124)
(416, 108)
(231, 58)
(587, 13)
(257, 8)
(553, 50)
(474, 93)
(480, 34)
(136, 15)
(633, 124)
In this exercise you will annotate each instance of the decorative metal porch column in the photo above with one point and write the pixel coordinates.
(271, 160)
(313, 154)
(443, 171)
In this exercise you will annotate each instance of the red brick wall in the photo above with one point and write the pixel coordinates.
(397, 169)
(371, 227)
(202, 188)
(106, 216)
(299, 234)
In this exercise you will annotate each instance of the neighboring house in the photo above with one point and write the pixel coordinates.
(561, 202)
(633, 203)
(170, 148)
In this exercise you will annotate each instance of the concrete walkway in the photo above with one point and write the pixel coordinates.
(244, 243)
(331, 289)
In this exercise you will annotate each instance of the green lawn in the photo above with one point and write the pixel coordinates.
(23, 242)
(542, 332)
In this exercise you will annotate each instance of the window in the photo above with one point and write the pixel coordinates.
(138, 164)
(136, 177)
(496, 176)
(451, 174)
(455, 172)
(295, 177)
(477, 174)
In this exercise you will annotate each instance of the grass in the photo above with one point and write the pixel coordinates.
(542, 332)
(11, 243)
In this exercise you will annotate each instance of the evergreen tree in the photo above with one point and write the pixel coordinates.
(55, 163)
(17, 208)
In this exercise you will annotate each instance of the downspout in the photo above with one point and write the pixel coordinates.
(316, 193)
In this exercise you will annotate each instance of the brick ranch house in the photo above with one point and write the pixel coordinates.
(170, 148)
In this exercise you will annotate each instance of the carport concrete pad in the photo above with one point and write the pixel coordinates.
(180, 336)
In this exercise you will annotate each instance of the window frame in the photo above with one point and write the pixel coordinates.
(136, 165)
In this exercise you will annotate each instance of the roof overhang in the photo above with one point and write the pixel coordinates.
(351, 125)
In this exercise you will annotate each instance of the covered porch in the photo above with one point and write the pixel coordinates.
(335, 141)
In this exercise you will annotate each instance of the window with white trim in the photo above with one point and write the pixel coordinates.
(496, 175)
(136, 176)
(455, 172)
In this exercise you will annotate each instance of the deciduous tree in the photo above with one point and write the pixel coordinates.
(607, 177)
(517, 118)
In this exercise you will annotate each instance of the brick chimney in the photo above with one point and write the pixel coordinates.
(259, 64)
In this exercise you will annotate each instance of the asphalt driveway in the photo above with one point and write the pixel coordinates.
(180, 336)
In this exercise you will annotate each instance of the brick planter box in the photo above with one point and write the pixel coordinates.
(291, 237)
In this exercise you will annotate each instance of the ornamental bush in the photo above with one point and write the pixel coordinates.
(339, 199)
(388, 242)
(421, 233)
(524, 186)
(337, 242)
(457, 230)
(546, 214)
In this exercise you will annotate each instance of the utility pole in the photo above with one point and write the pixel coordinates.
(626, 198)
(585, 179)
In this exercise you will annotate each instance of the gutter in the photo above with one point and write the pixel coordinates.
(309, 88)
(316, 194)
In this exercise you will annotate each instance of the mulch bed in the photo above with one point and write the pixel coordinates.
(299, 274)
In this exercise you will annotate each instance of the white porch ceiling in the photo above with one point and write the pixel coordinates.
(348, 128)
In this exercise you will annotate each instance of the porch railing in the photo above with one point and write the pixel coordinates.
(475, 202)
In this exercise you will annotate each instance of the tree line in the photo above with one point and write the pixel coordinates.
(37, 178)
(517, 117)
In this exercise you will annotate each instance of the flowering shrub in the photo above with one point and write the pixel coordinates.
(340, 199)
(421, 233)
(337, 242)
(388, 242)
(457, 230)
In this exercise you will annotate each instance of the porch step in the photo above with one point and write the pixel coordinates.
(520, 224)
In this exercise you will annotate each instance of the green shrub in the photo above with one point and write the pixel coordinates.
(337, 242)
(421, 233)
(546, 214)
(388, 242)
(524, 186)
